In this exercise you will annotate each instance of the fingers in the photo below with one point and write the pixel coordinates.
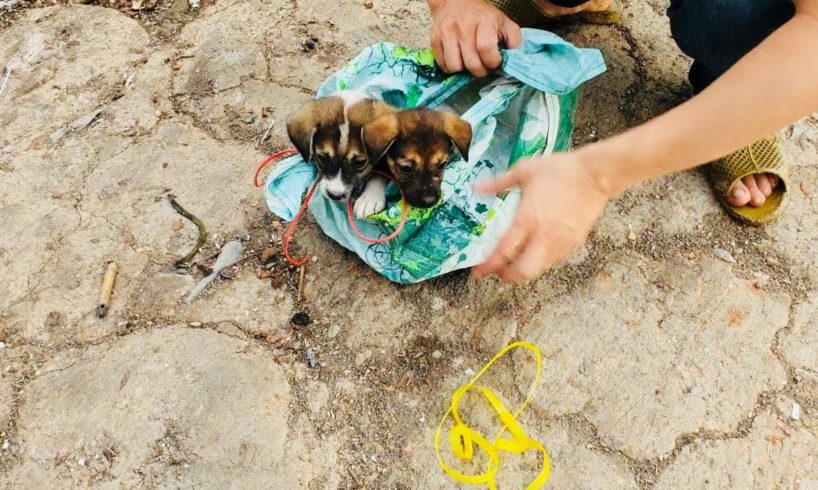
(451, 54)
(506, 251)
(511, 34)
(437, 49)
(486, 45)
(530, 263)
(504, 182)
(469, 54)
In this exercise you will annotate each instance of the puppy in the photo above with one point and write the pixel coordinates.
(328, 131)
(416, 145)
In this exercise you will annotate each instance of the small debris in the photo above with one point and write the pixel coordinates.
(469, 372)
(194, 4)
(107, 289)
(195, 324)
(309, 44)
(109, 454)
(761, 279)
(228, 274)
(362, 357)
(631, 236)
(368, 4)
(81, 462)
(309, 358)
(798, 130)
(230, 255)
(264, 274)
(85, 120)
(333, 331)
(795, 414)
(267, 254)
(724, 255)
(5, 445)
(772, 261)
(184, 261)
(437, 354)
(269, 128)
(300, 319)
(177, 225)
(315, 258)
(301, 282)
(248, 118)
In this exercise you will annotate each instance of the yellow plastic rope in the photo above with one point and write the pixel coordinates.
(462, 438)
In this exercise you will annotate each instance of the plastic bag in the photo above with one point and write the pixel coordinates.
(527, 110)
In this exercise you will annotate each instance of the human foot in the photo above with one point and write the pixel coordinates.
(552, 10)
(752, 190)
(751, 183)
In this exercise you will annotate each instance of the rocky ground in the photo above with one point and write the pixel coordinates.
(667, 365)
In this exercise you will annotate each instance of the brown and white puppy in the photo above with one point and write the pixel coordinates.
(328, 131)
(416, 145)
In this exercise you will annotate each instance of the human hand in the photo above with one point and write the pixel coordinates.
(562, 198)
(466, 35)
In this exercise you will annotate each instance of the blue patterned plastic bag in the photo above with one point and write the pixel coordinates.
(527, 110)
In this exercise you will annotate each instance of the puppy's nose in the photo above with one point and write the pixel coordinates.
(335, 197)
(428, 201)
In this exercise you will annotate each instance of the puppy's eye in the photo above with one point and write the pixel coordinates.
(359, 162)
(405, 168)
(442, 164)
(322, 157)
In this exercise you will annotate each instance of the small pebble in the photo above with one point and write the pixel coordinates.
(796, 411)
(437, 354)
(631, 236)
(178, 225)
(300, 319)
(309, 358)
(81, 462)
(333, 331)
(5, 445)
(469, 372)
(772, 261)
(315, 258)
(362, 357)
(368, 4)
(195, 324)
(723, 255)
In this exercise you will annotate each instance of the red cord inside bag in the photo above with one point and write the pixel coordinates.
(291, 228)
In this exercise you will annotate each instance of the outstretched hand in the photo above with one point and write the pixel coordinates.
(466, 34)
(561, 201)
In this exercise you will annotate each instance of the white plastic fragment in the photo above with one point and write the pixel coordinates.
(796, 411)
(723, 255)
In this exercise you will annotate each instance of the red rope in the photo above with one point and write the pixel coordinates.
(285, 245)
(274, 156)
(404, 214)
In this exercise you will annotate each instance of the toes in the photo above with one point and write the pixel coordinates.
(756, 197)
(773, 180)
(739, 195)
(763, 183)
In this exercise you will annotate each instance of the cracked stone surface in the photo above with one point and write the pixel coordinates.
(776, 453)
(664, 365)
(688, 337)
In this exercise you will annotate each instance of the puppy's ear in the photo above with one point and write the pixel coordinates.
(379, 135)
(301, 128)
(459, 131)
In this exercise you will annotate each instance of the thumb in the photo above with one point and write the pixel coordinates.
(511, 34)
(504, 182)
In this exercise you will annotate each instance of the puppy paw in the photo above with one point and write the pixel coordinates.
(372, 200)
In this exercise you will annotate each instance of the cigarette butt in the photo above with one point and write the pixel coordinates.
(107, 289)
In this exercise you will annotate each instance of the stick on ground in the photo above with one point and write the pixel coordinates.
(185, 261)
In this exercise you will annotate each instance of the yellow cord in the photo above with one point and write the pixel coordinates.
(462, 438)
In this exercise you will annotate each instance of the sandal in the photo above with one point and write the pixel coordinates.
(526, 14)
(762, 157)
